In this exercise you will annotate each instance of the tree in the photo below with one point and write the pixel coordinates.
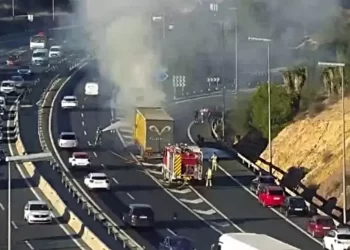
(281, 109)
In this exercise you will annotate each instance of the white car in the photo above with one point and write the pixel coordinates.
(91, 88)
(3, 103)
(68, 140)
(97, 181)
(7, 86)
(37, 212)
(40, 57)
(79, 159)
(338, 239)
(24, 70)
(69, 102)
(18, 81)
(55, 51)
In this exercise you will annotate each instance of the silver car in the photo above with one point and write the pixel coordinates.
(68, 140)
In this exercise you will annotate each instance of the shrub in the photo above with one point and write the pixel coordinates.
(281, 109)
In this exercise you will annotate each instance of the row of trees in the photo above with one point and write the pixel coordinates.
(296, 94)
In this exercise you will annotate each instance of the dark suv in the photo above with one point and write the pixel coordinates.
(294, 205)
(139, 215)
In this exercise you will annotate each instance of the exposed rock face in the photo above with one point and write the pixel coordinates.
(314, 144)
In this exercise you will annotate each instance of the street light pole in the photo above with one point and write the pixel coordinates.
(13, 8)
(163, 26)
(222, 78)
(341, 67)
(19, 159)
(53, 9)
(236, 48)
(9, 245)
(266, 40)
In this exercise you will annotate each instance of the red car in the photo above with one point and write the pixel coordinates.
(271, 196)
(12, 60)
(318, 226)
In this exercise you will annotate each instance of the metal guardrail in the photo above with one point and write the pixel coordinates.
(256, 169)
(67, 179)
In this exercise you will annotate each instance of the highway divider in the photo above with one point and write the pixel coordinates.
(278, 175)
(46, 105)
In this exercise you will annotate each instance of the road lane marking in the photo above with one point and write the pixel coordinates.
(14, 225)
(130, 196)
(181, 191)
(171, 231)
(195, 201)
(83, 123)
(82, 115)
(252, 194)
(2, 207)
(85, 132)
(116, 154)
(103, 165)
(82, 106)
(115, 180)
(94, 153)
(205, 212)
(89, 143)
(29, 245)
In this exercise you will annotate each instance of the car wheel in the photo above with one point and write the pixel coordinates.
(313, 234)
(332, 248)
(323, 245)
(286, 213)
(264, 204)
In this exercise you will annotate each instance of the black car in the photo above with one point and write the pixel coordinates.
(139, 215)
(294, 205)
(176, 243)
(262, 179)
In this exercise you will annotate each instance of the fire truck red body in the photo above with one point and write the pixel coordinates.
(182, 163)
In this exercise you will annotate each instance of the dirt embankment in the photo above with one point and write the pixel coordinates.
(313, 145)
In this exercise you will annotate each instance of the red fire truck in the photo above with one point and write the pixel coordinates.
(182, 163)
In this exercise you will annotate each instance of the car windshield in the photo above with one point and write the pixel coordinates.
(266, 180)
(68, 137)
(6, 84)
(143, 211)
(297, 202)
(344, 236)
(70, 99)
(25, 67)
(38, 39)
(99, 178)
(275, 192)
(55, 49)
(181, 243)
(39, 207)
(325, 222)
(82, 156)
(39, 54)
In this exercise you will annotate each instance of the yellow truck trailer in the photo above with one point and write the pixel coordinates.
(153, 130)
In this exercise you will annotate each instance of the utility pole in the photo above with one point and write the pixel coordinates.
(223, 77)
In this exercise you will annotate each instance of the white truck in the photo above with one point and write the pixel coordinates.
(250, 241)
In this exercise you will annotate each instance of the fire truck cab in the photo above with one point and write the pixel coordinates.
(182, 163)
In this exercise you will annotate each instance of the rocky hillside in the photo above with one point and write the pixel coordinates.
(313, 145)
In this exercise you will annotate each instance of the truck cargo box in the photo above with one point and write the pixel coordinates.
(153, 130)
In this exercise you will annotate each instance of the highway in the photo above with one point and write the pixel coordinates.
(130, 184)
(24, 236)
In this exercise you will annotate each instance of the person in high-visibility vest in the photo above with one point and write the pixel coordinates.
(209, 176)
(214, 162)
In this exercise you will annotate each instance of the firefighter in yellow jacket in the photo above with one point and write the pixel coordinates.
(214, 162)
(208, 178)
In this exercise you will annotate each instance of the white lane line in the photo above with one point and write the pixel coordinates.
(205, 212)
(115, 180)
(82, 106)
(14, 225)
(253, 194)
(103, 165)
(2, 206)
(29, 245)
(89, 143)
(130, 196)
(83, 123)
(180, 191)
(171, 231)
(94, 153)
(85, 132)
(195, 201)
(116, 154)
(82, 115)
